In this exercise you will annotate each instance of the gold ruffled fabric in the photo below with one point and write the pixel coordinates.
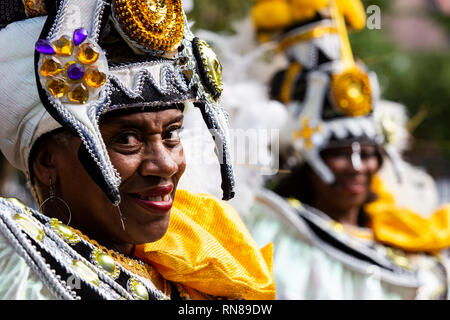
(208, 248)
(404, 228)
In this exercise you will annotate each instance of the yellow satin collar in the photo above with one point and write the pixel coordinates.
(404, 228)
(208, 248)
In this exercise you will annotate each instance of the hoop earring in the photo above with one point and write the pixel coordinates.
(53, 199)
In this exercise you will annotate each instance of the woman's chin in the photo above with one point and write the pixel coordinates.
(149, 232)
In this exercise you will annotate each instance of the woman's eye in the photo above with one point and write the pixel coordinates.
(128, 139)
(173, 134)
(368, 154)
(337, 153)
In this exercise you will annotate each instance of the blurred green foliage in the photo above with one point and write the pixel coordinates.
(216, 15)
(418, 79)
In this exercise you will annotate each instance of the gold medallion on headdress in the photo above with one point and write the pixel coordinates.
(154, 24)
(34, 8)
(209, 67)
(351, 93)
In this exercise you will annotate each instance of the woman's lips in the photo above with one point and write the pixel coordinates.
(157, 199)
(354, 187)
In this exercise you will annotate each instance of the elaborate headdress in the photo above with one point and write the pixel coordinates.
(75, 60)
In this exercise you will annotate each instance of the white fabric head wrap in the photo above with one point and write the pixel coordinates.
(23, 118)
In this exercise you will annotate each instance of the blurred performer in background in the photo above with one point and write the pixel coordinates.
(341, 228)
(92, 95)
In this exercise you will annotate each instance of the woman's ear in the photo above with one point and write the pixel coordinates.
(44, 164)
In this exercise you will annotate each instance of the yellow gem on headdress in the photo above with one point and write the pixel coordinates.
(30, 225)
(351, 92)
(50, 66)
(63, 46)
(79, 94)
(87, 54)
(58, 88)
(94, 78)
(86, 272)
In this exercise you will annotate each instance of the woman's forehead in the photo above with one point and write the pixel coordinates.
(350, 146)
(142, 118)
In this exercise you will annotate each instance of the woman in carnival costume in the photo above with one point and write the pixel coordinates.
(92, 100)
(351, 220)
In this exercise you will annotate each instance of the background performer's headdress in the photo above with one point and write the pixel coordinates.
(331, 98)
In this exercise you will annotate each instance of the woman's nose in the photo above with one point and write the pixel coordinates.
(158, 161)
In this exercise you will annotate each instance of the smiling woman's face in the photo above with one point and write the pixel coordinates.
(145, 149)
(351, 188)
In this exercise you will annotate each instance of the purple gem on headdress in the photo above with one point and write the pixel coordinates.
(75, 71)
(79, 35)
(45, 47)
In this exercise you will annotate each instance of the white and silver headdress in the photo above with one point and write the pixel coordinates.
(89, 57)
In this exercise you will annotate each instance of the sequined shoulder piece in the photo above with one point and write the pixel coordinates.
(71, 267)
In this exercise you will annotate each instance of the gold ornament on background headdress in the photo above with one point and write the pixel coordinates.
(155, 24)
(350, 90)
(308, 132)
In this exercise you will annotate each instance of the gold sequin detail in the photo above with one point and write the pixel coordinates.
(34, 8)
(156, 24)
(139, 268)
